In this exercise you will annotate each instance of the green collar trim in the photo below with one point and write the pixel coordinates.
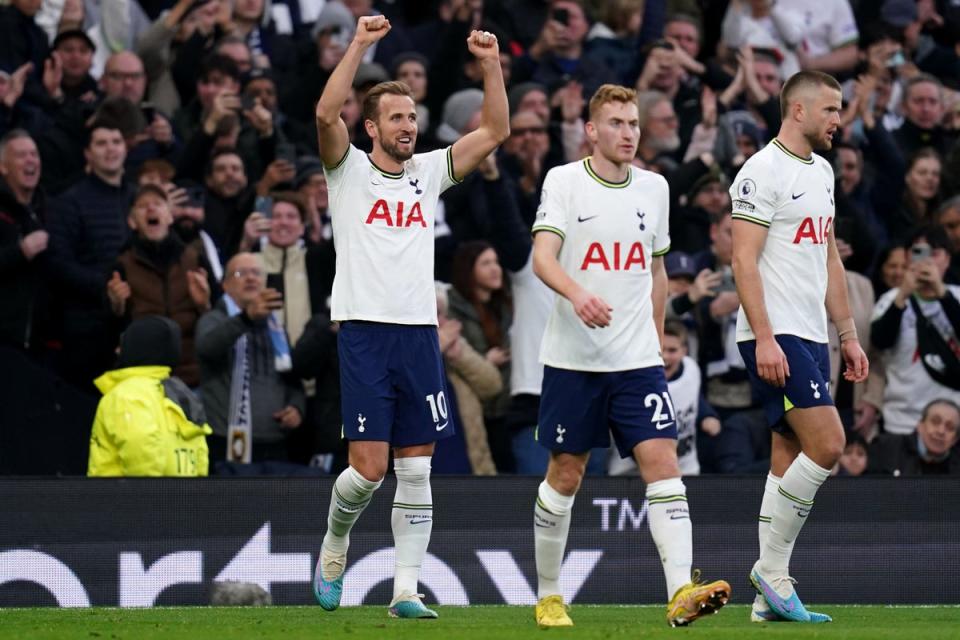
(779, 145)
(606, 183)
(386, 174)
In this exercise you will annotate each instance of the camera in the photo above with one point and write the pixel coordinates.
(896, 59)
(920, 251)
(562, 16)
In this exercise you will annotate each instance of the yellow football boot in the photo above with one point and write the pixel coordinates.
(696, 599)
(551, 612)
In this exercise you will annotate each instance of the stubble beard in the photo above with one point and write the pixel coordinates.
(394, 152)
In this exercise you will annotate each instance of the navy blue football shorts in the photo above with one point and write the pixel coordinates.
(392, 384)
(808, 384)
(579, 409)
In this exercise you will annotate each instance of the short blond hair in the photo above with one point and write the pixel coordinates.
(801, 81)
(611, 93)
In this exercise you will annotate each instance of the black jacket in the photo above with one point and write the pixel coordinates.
(911, 138)
(21, 41)
(88, 230)
(899, 455)
(224, 218)
(22, 282)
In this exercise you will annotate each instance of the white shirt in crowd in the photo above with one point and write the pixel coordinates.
(909, 387)
(827, 24)
(532, 303)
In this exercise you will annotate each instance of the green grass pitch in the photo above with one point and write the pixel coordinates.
(462, 623)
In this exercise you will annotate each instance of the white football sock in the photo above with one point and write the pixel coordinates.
(791, 505)
(672, 530)
(551, 520)
(763, 528)
(412, 521)
(351, 495)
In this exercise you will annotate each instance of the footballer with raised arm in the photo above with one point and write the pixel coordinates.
(382, 207)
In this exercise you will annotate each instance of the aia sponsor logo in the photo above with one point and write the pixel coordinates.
(403, 216)
(614, 258)
(814, 230)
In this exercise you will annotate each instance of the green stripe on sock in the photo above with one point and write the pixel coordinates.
(667, 499)
(764, 518)
(541, 505)
(403, 505)
(344, 500)
(786, 495)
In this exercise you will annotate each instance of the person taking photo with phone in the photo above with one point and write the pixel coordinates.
(558, 55)
(243, 351)
(916, 328)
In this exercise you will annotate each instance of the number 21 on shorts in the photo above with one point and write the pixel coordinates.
(660, 419)
(438, 408)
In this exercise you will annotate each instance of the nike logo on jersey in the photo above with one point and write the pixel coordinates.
(582, 219)
(797, 195)
(663, 425)
(443, 426)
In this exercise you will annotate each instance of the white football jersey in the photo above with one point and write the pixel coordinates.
(793, 198)
(611, 234)
(383, 231)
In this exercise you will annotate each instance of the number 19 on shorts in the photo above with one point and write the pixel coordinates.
(438, 408)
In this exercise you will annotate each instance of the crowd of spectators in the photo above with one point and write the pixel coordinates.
(159, 158)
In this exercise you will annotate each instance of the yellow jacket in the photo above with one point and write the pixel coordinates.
(139, 431)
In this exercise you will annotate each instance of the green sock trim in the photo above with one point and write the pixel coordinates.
(352, 504)
(808, 503)
(541, 505)
(663, 499)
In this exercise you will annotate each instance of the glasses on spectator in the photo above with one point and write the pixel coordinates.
(667, 120)
(239, 274)
(122, 75)
(522, 131)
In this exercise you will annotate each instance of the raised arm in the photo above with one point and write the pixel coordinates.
(838, 306)
(748, 241)
(494, 127)
(332, 135)
(589, 307)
